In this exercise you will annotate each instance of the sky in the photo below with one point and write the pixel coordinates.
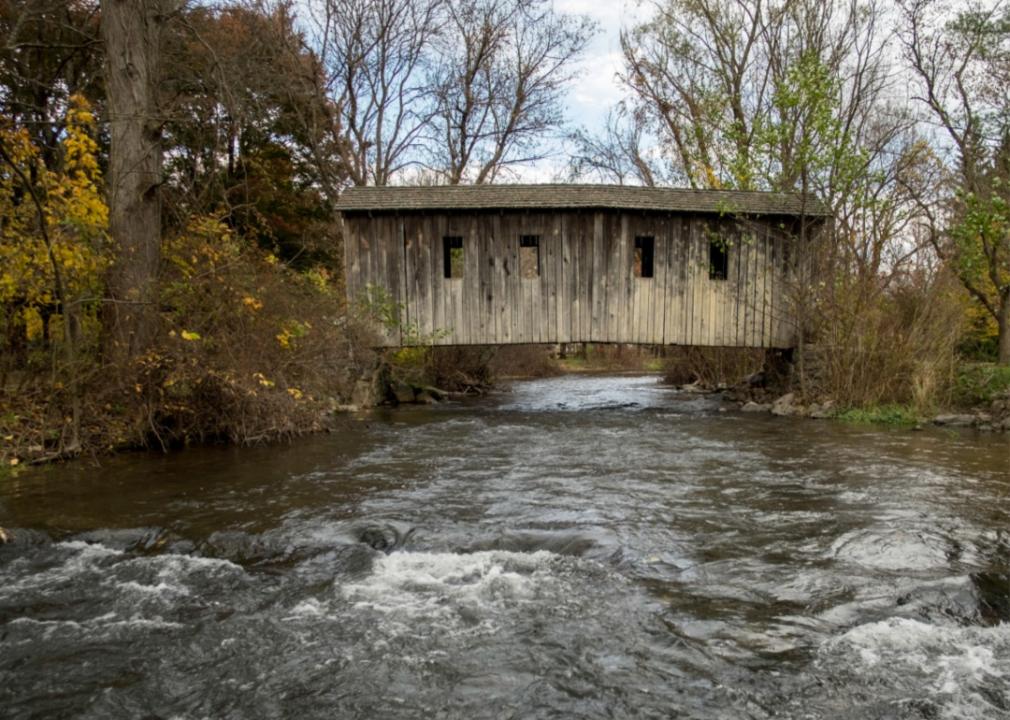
(596, 89)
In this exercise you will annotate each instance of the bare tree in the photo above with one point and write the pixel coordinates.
(962, 63)
(499, 78)
(132, 30)
(620, 154)
(374, 54)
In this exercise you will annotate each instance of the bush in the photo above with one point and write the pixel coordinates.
(247, 349)
(887, 345)
(980, 383)
(250, 349)
(881, 414)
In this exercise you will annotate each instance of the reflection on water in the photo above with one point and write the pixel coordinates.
(579, 547)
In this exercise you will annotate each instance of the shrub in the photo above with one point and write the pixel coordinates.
(980, 383)
(883, 345)
(881, 414)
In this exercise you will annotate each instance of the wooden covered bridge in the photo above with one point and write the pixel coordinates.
(503, 264)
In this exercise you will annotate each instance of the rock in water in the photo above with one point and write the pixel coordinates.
(784, 405)
(953, 420)
(402, 392)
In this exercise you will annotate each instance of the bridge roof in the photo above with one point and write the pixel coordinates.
(624, 197)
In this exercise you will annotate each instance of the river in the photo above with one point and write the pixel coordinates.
(579, 547)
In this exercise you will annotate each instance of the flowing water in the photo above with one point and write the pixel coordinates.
(580, 547)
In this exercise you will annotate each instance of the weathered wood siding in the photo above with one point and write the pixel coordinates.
(586, 290)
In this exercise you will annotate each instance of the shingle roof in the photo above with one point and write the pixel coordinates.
(501, 197)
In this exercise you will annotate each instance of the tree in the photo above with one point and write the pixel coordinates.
(52, 240)
(249, 131)
(790, 96)
(620, 154)
(962, 64)
(131, 30)
(499, 78)
(461, 89)
(374, 54)
(49, 51)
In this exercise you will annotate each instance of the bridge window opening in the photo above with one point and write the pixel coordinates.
(718, 260)
(645, 254)
(452, 257)
(529, 256)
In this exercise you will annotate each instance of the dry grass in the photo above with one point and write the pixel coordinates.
(885, 346)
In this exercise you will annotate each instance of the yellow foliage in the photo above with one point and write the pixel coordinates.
(319, 278)
(291, 330)
(203, 248)
(74, 215)
(252, 303)
(33, 323)
(190, 336)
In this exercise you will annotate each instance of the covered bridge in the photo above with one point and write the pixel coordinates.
(500, 264)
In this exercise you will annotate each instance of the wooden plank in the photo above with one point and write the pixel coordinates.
(752, 294)
(618, 277)
(438, 319)
(710, 288)
(738, 262)
(721, 299)
(748, 292)
(352, 261)
(562, 281)
(673, 287)
(553, 277)
(666, 296)
(472, 305)
(515, 288)
(781, 299)
(654, 309)
(374, 274)
(427, 253)
(503, 310)
(675, 284)
(694, 334)
(625, 322)
(400, 252)
(443, 296)
(383, 239)
(426, 301)
(637, 287)
(586, 289)
(661, 298)
(392, 248)
(487, 265)
(746, 247)
(598, 281)
(539, 307)
(766, 337)
(525, 291)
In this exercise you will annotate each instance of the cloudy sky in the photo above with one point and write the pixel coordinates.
(596, 89)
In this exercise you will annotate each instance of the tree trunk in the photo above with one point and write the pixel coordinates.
(1004, 330)
(130, 31)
